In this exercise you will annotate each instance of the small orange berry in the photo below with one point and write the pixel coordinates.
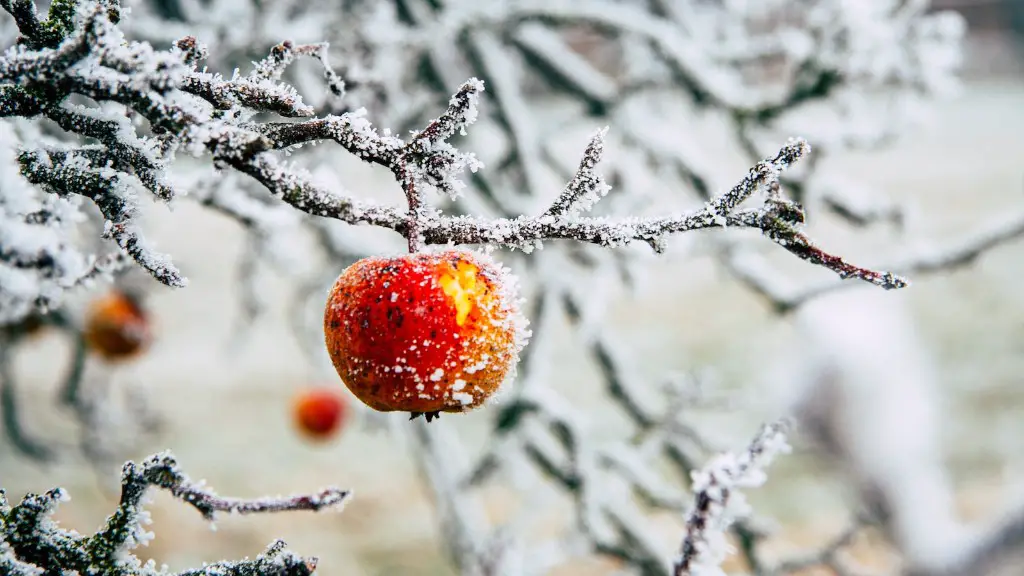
(319, 412)
(424, 333)
(117, 327)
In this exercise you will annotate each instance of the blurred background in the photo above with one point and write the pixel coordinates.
(224, 405)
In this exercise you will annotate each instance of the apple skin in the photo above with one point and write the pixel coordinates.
(319, 412)
(117, 327)
(425, 332)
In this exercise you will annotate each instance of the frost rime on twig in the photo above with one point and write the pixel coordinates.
(756, 273)
(587, 187)
(31, 543)
(718, 502)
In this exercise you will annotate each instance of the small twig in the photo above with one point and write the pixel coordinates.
(586, 187)
(715, 490)
(415, 201)
(827, 556)
(799, 244)
(758, 274)
(162, 470)
(29, 538)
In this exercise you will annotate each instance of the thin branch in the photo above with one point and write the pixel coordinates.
(11, 412)
(828, 556)
(416, 213)
(715, 489)
(162, 471)
(28, 537)
(758, 274)
(586, 187)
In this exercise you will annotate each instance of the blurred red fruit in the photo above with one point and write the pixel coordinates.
(319, 412)
(117, 327)
(423, 333)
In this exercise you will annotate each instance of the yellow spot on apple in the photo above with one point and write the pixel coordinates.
(460, 286)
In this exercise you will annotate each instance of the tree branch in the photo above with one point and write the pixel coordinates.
(29, 540)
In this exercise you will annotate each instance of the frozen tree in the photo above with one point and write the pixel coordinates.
(99, 120)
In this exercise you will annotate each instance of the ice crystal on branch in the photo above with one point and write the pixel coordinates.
(31, 543)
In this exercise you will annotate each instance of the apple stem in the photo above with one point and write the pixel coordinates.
(412, 196)
(428, 415)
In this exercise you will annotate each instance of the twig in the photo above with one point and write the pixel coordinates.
(716, 496)
(827, 556)
(11, 413)
(587, 187)
(162, 471)
(757, 273)
(29, 539)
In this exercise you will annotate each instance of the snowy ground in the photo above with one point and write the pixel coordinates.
(228, 417)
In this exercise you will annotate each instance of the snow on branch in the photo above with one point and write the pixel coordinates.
(718, 502)
(206, 114)
(32, 544)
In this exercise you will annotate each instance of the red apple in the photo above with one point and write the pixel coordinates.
(117, 326)
(424, 333)
(319, 412)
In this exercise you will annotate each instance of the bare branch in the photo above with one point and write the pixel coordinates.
(461, 112)
(827, 556)
(69, 172)
(11, 414)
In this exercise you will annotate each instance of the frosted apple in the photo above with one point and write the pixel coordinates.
(424, 333)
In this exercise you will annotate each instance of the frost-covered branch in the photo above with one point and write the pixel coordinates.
(31, 543)
(718, 501)
(162, 471)
(758, 274)
(204, 113)
(587, 186)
